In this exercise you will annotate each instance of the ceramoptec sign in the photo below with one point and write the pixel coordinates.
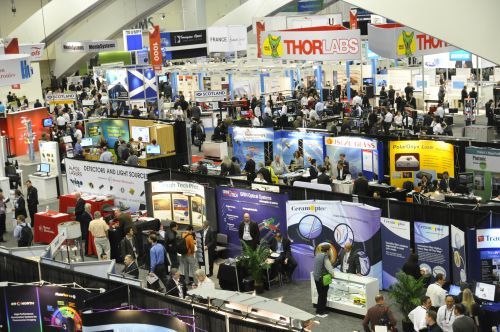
(393, 41)
(311, 45)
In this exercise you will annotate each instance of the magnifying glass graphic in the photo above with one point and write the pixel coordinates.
(310, 228)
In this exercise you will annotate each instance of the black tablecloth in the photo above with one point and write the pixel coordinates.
(491, 317)
(227, 277)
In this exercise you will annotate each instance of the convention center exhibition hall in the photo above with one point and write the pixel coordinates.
(249, 166)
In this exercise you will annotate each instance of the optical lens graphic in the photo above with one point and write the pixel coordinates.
(310, 227)
(364, 261)
(343, 234)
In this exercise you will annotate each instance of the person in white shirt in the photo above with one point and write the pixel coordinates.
(255, 122)
(446, 314)
(440, 111)
(398, 120)
(279, 166)
(319, 108)
(357, 100)
(257, 112)
(78, 134)
(204, 282)
(284, 109)
(303, 101)
(268, 109)
(438, 129)
(61, 121)
(417, 315)
(436, 292)
(313, 114)
(67, 117)
(388, 121)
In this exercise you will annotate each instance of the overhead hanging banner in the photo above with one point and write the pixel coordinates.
(485, 165)
(311, 223)
(125, 183)
(155, 48)
(182, 202)
(266, 209)
(315, 45)
(433, 248)
(61, 98)
(395, 41)
(142, 83)
(35, 51)
(88, 46)
(14, 69)
(297, 22)
(458, 266)
(395, 248)
(183, 44)
(411, 160)
(132, 40)
(227, 39)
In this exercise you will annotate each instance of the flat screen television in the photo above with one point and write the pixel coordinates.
(485, 291)
(43, 167)
(48, 122)
(152, 149)
(466, 178)
(87, 141)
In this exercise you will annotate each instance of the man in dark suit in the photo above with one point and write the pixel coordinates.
(131, 267)
(124, 220)
(250, 168)
(348, 260)
(79, 207)
(463, 323)
(342, 170)
(313, 170)
(360, 185)
(447, 184)
(323, 178)
(128, 245)
(175, 285)
(209, 243)
(249, 231)
(19, 204)
(345, 163)
(282, 246)
(85, 219)
(32, 201)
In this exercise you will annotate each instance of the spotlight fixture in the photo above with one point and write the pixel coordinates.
(162, 16)
(13, 9)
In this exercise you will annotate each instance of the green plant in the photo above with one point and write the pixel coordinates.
(406, 293)
(255, 260)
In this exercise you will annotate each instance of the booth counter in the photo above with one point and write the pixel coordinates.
(46, 185)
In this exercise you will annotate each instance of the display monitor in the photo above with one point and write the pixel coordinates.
(454, 290)
(368, 81)
(466, 178)
(87, 141)
(44, 167)
(485, 291)
(137, 132)
(152, 149)
(48, 122)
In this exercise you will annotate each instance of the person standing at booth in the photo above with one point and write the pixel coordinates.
(84, 220)
(249, 232)
(348, 260)
(447, 184)
(446, 314)
(322, 267)
(32, 202)
(209, 243)
(250, 168)
(19, 204)
(99, 230)
(157, 260)
(79, 207)
(3, 211)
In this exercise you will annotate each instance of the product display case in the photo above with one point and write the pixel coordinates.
(349, 292)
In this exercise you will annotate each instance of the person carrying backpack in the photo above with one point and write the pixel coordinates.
(379, 315)
(186, 247)
(23, 232)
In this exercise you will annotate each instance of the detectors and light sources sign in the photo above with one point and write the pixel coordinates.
(311, 45)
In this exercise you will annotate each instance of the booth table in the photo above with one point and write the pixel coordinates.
(343, 187)
(67, 204)
(46, 185)
(46, 225)
(491, 316)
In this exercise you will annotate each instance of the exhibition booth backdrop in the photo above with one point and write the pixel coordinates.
(484, 163)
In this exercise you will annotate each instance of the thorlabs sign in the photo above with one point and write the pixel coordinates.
(311, 45)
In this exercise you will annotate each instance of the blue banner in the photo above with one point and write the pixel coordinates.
(458, 265)
(266, 209)
(251, 141)
(287, 142)
(309, 5)
(142, 83)
(432, 244)
(395, 248)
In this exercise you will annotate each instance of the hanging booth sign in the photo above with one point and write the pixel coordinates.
(395, 41)
(14, 69)
(316, 44)
(183, 44)
(61, 98)
(232, 38)
(34, 50)
(132, 40)
(432, 247)
(155, 47)
(297, 22)
(88, 46)
(484, 163)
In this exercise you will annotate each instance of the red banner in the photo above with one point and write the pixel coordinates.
(259, 26)
(353, 19)
(155, 48)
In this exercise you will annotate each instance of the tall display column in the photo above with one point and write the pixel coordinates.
(194, 14)
(174, 83)
(348, 85)
(262, 92)
(230, 82)
(200, 81)
(374, 76)
(318, 73)
(292, 83)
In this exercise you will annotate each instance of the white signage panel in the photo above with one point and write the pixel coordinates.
(488, 238)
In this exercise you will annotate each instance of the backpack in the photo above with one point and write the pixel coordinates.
(26, 236)
(384, 319)
(181, 245)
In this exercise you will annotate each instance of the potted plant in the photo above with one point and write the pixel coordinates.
(255, 262)
(406, 293)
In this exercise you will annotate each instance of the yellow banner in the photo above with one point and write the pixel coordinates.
(410, 160)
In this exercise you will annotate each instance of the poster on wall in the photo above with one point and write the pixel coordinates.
(142, 83)
(117, 83)
(49, 154)
(179, 201)
(484, 163)
(251, 141)
(317, 45)
(131, 320)
(311, 223)
(310, 144)
(125, 183)
(395, 248)
(15, 69)
(432, 248)
(411, 160)
(362, 154)
(114, 129)
(266, 209)
(48, 308)
(458, 266)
